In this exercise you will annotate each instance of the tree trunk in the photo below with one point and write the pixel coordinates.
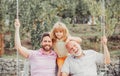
(1, 44)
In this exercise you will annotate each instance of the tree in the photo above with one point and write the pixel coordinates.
(1, 30)
(108, 9)
(29, 11)
(112, 15)
(95, 8)
(82, 12)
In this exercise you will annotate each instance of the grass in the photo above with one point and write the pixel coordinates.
(115, 53)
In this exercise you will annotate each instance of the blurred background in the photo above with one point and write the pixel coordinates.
(88, 19)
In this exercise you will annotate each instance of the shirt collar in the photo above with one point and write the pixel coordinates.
(42, 52)
(79, 57)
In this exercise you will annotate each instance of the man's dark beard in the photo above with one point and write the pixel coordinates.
(47, 49)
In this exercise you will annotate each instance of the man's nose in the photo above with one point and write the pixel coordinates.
(74, 48)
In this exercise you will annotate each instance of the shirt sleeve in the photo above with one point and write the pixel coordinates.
(65, 67)
(99, 57)
(31, 54)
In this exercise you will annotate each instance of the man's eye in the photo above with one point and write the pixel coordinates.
(45, 41)
(49, 41)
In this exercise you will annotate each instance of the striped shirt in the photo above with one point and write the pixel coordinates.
(42, 64)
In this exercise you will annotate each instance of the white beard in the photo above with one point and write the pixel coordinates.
(79, 53)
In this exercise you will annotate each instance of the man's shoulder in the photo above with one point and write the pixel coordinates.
(69, 57)
(89, 51)
(53, 52)
(34, 51)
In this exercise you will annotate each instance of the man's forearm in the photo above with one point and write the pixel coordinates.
(17, 38)
(106, 54)
(22, 50)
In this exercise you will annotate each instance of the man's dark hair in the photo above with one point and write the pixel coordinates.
(44, 35)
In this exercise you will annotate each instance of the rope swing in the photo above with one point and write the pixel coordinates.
(17, 17)
(25, 71)
(103, 30)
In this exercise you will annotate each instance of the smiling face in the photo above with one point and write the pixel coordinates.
(59, 34)
(74, 48)
(46, 43)
(59, 31)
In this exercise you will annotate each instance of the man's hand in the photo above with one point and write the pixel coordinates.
(17, 23)
(104, 40)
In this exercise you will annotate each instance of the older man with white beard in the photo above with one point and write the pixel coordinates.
(83, 62)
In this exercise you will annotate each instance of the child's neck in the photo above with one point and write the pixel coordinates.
(59, 39)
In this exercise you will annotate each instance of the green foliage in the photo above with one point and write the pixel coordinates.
(81, 11)
(112, 14)
(29, 11)
(109, 9)
(111, 25)
(94, 7)
(38, 16)
(37, 30)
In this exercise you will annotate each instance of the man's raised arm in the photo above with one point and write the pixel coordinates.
(22, 50)
(106, 52)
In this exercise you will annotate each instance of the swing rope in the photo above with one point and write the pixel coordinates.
(103, 33)
(101, 45)
(103, 6)
(17, 10)
(25, 71)
(103, 29)
(17, 67)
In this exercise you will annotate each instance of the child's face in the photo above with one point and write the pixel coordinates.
(59, 34)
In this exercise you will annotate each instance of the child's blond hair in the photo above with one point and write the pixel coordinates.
(59, 26)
